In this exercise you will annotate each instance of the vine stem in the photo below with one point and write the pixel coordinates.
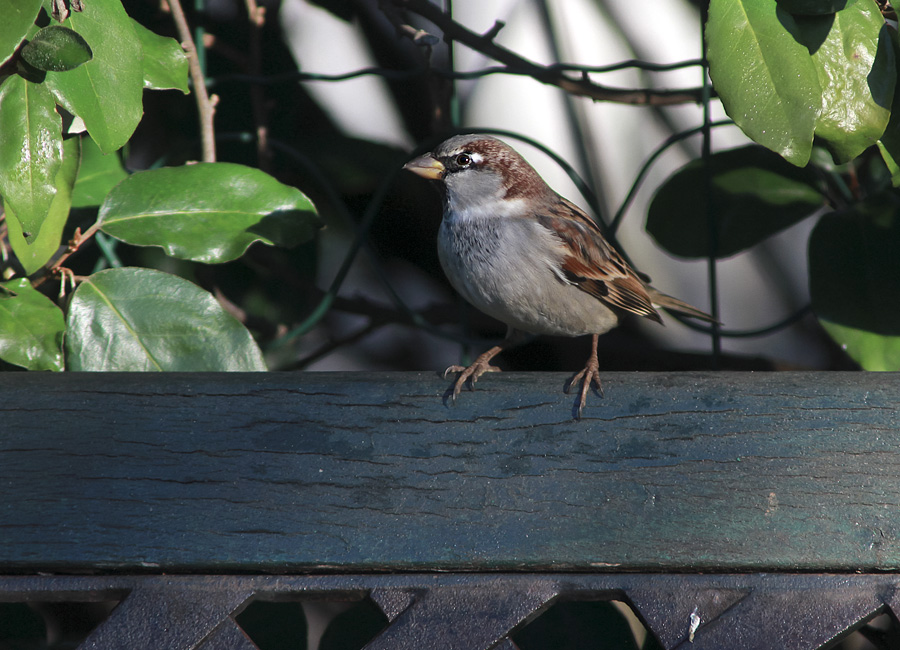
(77, 240)
(205, 104)
(582, 86)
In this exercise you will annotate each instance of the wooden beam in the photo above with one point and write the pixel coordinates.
(284, 472)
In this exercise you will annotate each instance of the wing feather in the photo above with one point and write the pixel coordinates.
(590, 263)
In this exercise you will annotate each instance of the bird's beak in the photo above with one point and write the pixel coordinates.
(427, 167)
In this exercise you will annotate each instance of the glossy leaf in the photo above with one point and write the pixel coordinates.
(857, 73)
(891, 161)
(870, 351)
(106, 92)
(813, 7)
(889, 144)
(854, 267)
(31, 327)
(133, 319)
(165, 62)
(766, 80)
(18, 16)
(32, 256)
(209, 212)
(57, 48)
(97, 175)
(753, 194)
(30, 151)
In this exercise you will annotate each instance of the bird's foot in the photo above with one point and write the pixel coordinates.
(469, 375)
(588, 377)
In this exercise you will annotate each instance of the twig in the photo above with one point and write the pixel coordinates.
(65, 274)
(335, 344)
(582, 86)
(414, 73)
(257, 17)
(75, 243)
(205, 105)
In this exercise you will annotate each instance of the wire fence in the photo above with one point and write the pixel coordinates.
(611, 226)
(575, 80)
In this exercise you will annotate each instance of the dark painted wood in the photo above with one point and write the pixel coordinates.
(357, 472)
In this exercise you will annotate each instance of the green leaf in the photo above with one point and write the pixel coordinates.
(97, 175)
(57, 48)
(133, 319)
(857, 72)
(30, 151)
(889, 144)
(813, 7)
(106, 92)
(854, 266)
(165, 62)
(870, 351)
(31, 327)
(767, 81)
(890, 160)
(18, 16)
(209, 212)
(32, 256)
(753, 194)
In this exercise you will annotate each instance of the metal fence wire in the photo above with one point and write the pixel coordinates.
(363, 261)
(437, 68)
(354, 302)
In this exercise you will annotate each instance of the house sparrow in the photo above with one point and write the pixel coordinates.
(523, 254)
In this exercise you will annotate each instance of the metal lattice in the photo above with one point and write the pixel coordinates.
(478, 612)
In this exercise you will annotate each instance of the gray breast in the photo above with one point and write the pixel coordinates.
(507, 269)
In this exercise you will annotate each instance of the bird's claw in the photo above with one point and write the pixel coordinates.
(467, 377)
(452, 369)
(588, 377)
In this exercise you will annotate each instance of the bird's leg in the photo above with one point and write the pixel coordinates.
(588, 377)
(471, 374)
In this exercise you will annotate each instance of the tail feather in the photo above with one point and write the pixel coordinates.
(660, 299)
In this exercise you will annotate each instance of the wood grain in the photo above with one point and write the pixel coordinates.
(284, 472)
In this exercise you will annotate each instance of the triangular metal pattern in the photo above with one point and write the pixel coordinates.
(393, 602)
(804, 616)
(753, 611)
(670, 612)
(890, 595)
(463, 617)
(162, 614)
(228, 635)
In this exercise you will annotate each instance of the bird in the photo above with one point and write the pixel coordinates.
(521, 253)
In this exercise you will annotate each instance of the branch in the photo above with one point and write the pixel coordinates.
(78, 239)
(205, 106)
(584, 87)
(257, 16)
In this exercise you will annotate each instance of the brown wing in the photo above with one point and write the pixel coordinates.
(593, 265)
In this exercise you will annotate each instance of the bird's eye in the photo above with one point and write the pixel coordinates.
(464, 160)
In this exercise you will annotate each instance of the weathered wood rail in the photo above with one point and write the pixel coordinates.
(676, 491)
